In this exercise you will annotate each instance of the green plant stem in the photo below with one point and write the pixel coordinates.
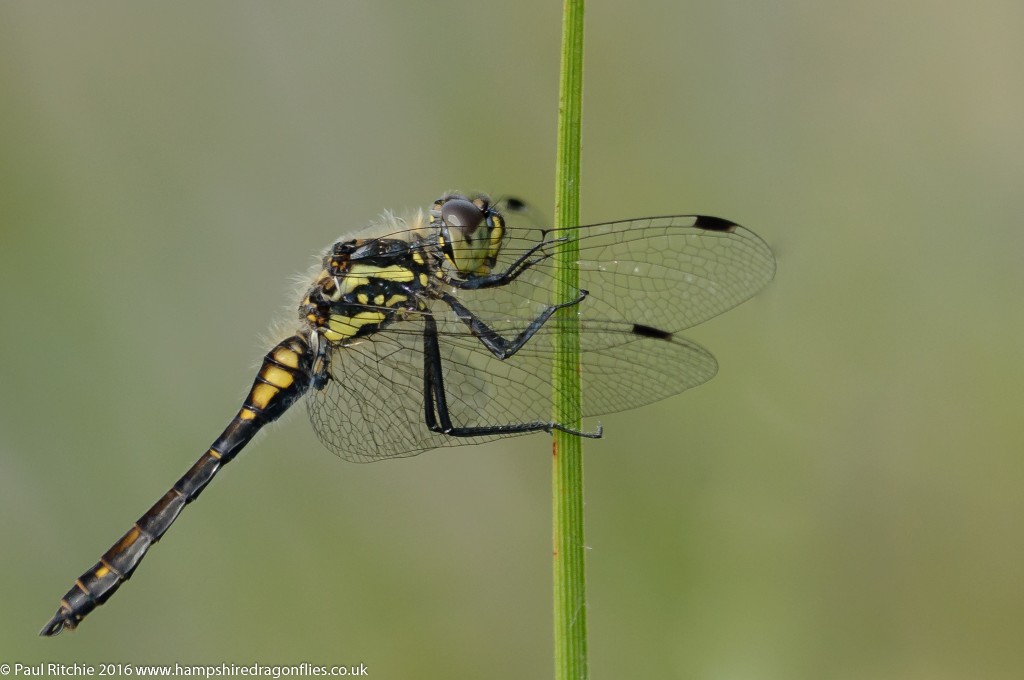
(570, 593)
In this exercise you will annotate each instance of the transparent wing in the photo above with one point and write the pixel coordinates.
(670, 272)
(626, 371)
(373, 406)
(665, 273)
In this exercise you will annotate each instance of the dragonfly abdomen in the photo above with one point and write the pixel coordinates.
(283, 378)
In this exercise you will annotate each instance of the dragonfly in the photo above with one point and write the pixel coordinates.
(437, 329)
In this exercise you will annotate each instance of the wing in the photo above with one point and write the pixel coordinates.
(647, 279)
(670, 272)
(664, 273)
(373, 407)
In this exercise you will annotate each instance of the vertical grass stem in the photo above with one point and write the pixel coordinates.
(570, 601)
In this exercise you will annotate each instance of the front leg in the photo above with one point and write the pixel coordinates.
(501, 347)
(524, 262)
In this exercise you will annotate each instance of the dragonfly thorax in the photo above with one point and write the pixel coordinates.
(364, 285)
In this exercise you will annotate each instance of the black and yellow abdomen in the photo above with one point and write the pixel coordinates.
(284, 377)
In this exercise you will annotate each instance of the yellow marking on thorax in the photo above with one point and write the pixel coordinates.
(347, 326)
(423, 279)
(363, 299)
(392, 272)
(360, 275)
(395, 299)
(350, 282)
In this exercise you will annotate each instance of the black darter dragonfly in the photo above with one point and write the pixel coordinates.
(436, 330)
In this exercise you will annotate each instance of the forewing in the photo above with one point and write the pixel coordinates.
(669, 273)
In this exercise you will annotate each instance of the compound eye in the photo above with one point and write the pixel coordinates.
(462, 214)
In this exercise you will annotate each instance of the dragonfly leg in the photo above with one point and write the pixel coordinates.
(500, 347)
(435, 401)
(522, 263)
(320, 368)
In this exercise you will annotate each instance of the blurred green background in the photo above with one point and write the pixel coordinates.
(843, 501)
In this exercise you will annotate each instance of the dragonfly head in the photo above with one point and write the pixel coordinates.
(471, 232)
